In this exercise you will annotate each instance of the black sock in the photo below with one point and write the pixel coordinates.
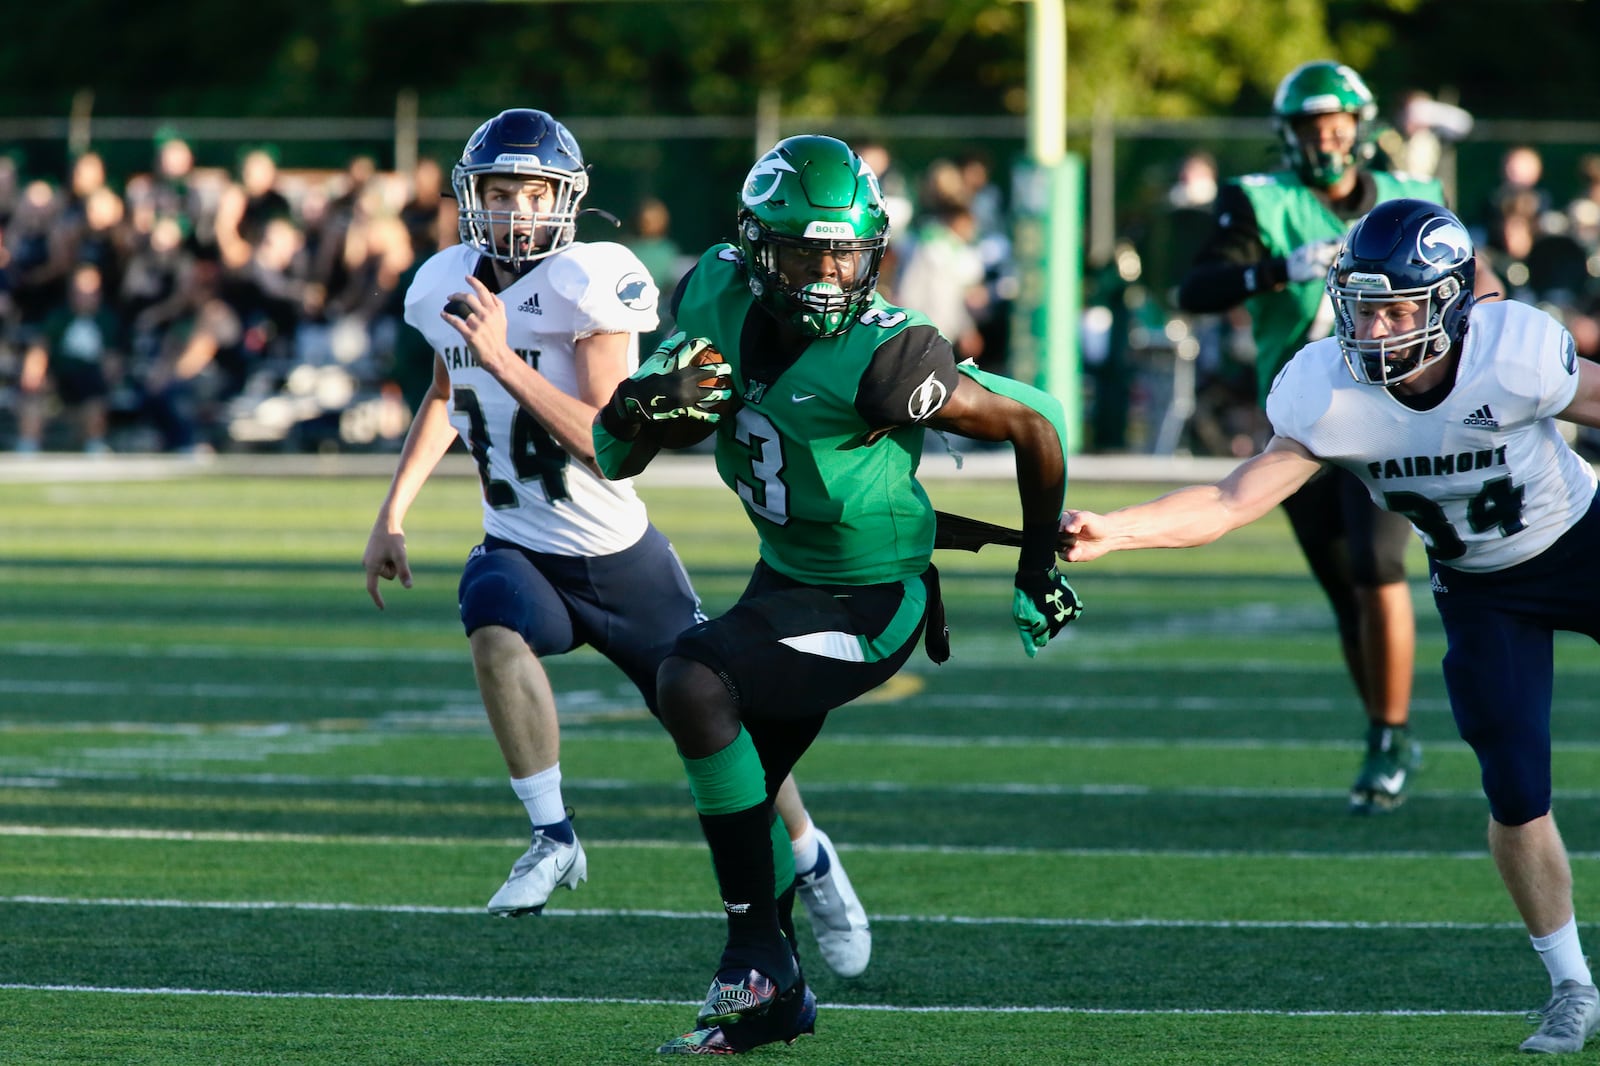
(741, 853)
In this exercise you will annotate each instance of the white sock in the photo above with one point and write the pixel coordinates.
(806, 848)
(1563, 954)
(541, 794)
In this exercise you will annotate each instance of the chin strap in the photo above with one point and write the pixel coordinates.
(616, 223)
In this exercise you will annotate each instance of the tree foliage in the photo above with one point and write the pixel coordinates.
(1136, 58)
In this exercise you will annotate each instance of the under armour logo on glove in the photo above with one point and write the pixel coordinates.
(1042, 603)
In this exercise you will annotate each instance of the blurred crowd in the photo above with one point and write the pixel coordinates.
(199, 309)
(1166, 381)
(1160, 380)
(202, 309)
(1547, 253)
(950, 252)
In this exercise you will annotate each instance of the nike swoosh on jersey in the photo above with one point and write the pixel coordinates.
(802, 397)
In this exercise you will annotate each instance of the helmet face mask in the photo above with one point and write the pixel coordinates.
(517, 149)
(1322, 88)
(1408, 263)
(812, 230)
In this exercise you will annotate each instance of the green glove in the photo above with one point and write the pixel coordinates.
(1041, 604)
(671, 384)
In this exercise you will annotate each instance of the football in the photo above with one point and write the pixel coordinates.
(687, 432)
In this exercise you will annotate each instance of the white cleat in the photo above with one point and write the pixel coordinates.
(837, 917)
(544, 867)
(1568, 1020)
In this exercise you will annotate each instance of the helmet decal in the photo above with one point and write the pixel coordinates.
(1320, 105)
(1362, 280)
(1443, 243)
(870, 176)
(773, 167)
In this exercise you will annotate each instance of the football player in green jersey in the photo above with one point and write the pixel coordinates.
(1275, 237)
(835, 389)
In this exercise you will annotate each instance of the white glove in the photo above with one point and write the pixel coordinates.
(1310, 261)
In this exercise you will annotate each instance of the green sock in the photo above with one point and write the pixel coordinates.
(732, 780)
(727, 781)
(782, 858)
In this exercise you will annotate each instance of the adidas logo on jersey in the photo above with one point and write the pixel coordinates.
(1435, 585)
(531, 305)
(1482, 417)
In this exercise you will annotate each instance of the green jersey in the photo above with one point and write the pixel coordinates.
(824, 449)
(1288, 214)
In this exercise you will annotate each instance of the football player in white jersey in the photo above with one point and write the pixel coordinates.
(1455, 429)
(532, 330)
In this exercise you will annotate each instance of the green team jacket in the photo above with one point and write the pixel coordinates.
(1288, 214)
(833, 499)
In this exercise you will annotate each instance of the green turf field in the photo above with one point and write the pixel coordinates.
(246, 818)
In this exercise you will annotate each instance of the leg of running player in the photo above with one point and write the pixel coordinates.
(838, 919)
(1377, 542)
(1388, 651)
(508, 608)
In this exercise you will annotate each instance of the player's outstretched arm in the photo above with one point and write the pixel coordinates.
(1197, 514)
(1042, 602)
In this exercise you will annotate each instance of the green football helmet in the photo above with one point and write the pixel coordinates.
(812, 230)
(1319, 88)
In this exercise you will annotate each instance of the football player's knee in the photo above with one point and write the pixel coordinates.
(696, 704)
(1518, 789)
(491, 597)
(1519, 808)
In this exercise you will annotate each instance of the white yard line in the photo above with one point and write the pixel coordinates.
(904, 919)
(345, 840)
(24, 776)
(832, 1006)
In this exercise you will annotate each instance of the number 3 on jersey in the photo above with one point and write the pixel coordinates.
(768, 496)
(534, 453)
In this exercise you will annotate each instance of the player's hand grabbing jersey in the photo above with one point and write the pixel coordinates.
(534, 495)
(1484, 477)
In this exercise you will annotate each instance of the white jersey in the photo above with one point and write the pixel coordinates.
(533, 493)
(1484, 477)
